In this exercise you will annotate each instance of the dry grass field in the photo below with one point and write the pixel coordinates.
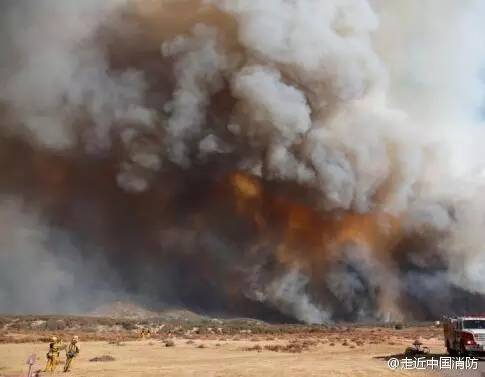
(259, 351)
(216, 359)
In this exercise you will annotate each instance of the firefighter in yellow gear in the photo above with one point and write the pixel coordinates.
(72, 351)
(53, 354)
(145, 333)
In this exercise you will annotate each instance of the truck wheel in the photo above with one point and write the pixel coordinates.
(450, 350)
(463, 351)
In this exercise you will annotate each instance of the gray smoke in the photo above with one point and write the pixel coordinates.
(53, 72)
(42, 271)
(369, 108)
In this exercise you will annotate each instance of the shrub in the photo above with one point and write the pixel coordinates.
(102, 358)
(128, 325)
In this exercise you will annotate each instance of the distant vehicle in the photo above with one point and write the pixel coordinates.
(464, 335)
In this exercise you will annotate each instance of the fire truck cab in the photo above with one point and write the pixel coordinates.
(464, 335)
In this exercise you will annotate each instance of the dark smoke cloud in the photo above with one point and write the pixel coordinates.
(279, 159)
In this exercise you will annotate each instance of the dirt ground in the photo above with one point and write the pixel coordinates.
(345, 354)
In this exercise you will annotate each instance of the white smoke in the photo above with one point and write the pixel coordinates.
(199, 71)
(24, 259)
(371, 95)
(375, 105)
(57, 72)
(288, 294)
(40, 269)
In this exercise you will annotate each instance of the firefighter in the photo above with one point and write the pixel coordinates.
(416, 349)
(72, 351)
(53, 354)
(145, 333)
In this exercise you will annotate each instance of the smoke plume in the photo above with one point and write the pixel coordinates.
(311, 160)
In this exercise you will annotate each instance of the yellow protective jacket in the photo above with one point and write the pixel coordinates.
(54, 350)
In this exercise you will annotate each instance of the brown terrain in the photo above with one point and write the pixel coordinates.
(186, 344)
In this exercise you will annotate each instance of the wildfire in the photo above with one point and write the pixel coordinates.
(310, 235)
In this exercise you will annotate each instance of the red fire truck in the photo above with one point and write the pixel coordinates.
(464, 335)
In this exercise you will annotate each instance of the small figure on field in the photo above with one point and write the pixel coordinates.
(53, 354)
(71, 352)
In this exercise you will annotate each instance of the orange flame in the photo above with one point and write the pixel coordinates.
(311, 236)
